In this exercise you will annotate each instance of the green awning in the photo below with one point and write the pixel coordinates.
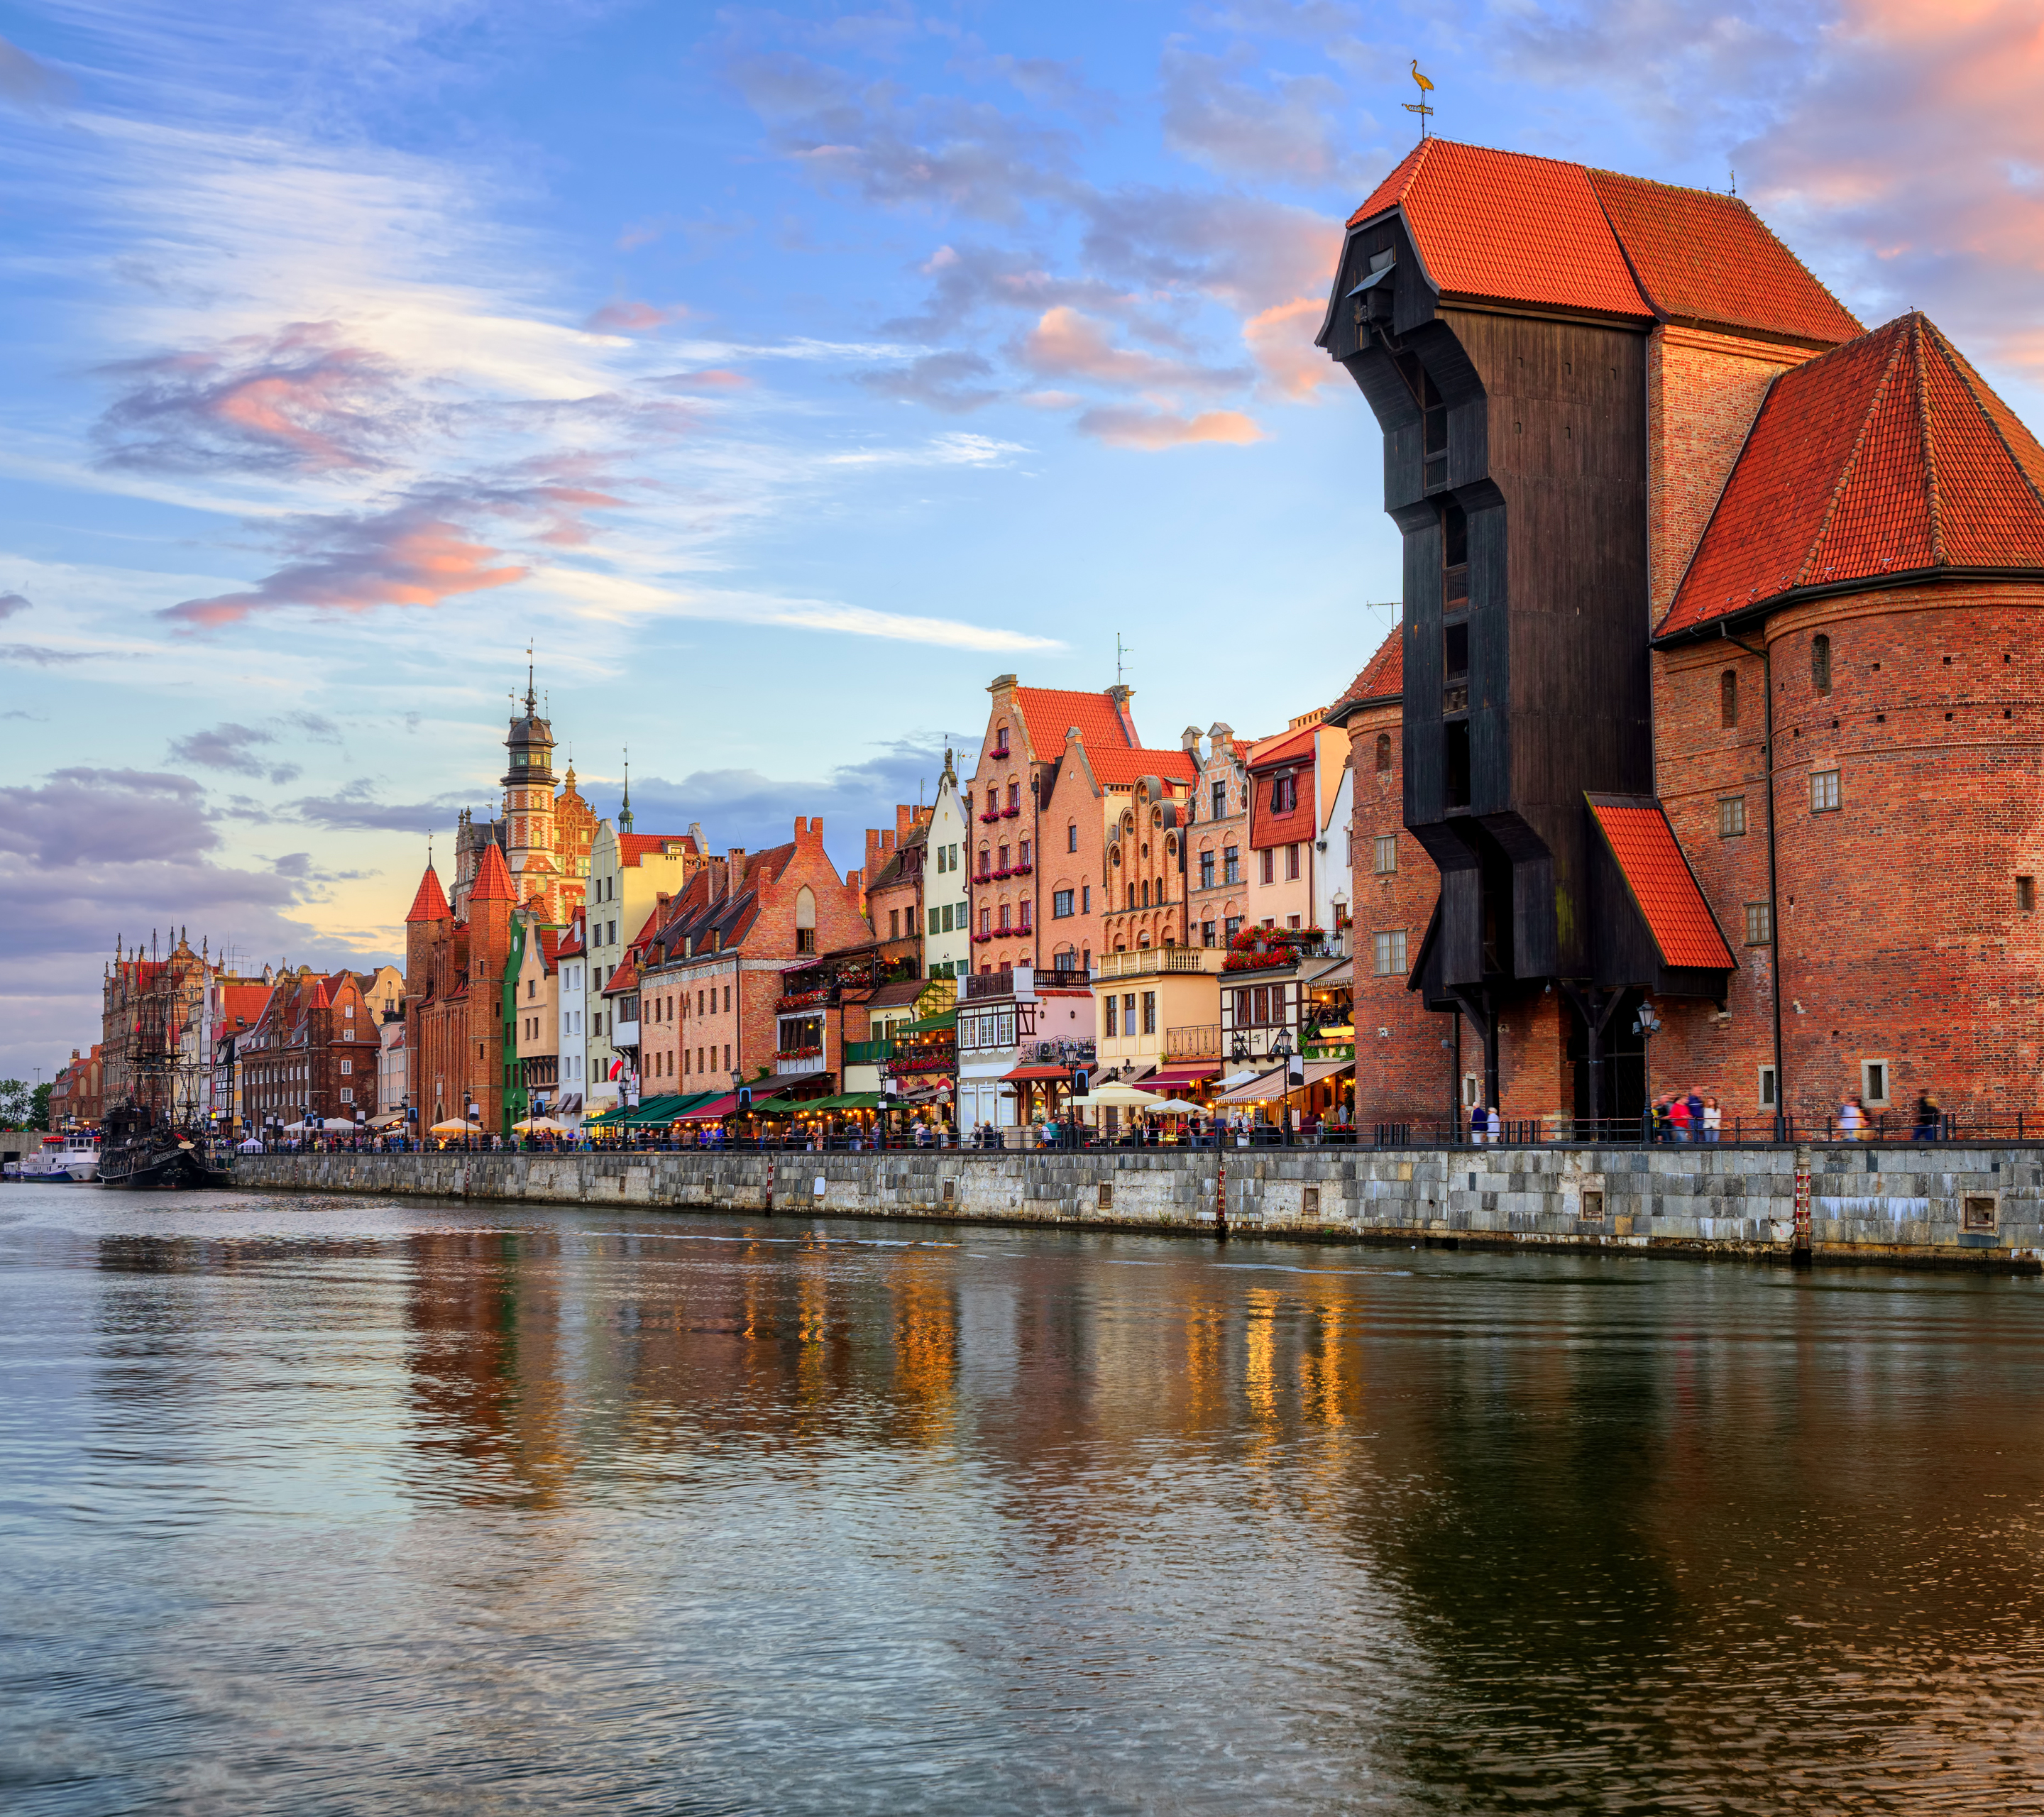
(777, 1107)
(663, 1108)
(929, 1025)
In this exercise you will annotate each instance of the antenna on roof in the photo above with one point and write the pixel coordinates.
(1120, 650)
(1419, 106)
(1734, 176)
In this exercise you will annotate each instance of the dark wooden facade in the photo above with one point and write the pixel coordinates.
(1516, 464)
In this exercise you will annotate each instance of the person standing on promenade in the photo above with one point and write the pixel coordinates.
(1678, 1119)
(1926, 1116)
(1852, 1119)
(1713, 1120)
(1696, 1104)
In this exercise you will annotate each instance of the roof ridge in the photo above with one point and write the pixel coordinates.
(1961, 369)
(1850, 465)
(1931, 503)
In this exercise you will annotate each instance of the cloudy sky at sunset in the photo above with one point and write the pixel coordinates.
(784, 375)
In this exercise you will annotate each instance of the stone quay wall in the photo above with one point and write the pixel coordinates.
(1943, 1204)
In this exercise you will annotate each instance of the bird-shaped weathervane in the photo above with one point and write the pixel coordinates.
(1419, 106)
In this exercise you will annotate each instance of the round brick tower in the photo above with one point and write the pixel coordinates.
(1849, 722)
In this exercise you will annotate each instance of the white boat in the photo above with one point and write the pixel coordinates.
(72, 1158)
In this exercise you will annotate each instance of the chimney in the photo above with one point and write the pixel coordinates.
(1120, 694)
(1189, 740)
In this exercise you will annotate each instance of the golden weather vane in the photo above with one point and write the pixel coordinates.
(1419, 106)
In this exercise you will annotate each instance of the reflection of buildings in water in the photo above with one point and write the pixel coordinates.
(486, 1361)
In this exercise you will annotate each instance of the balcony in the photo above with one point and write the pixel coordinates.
(1199, 1041)
(800, 1060)
(1155, 959)
(868, 1053)
(803, 1000)
(911, 1058)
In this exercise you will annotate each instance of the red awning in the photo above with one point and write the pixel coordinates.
(1191, 1073)
(714, 1112)
(1020, 1072)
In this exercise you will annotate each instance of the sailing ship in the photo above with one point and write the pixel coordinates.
(155, 1136)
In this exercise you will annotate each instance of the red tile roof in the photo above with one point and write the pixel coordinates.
(1293, 747)
(1494, 226)
(1708, 258)
(1662, 885)
(1502, 227)
(431, 902)
(1050, 712)
(1123, 768)
(1886, 456)
(493, 878)
(633, 846)
(1383, 677)
(624, 975)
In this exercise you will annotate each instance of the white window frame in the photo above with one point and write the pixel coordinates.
(1384, 848)
(1826, 791)
(1867, 1095)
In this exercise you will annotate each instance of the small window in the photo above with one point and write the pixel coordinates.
(1383, 754)
(1309, 1202)
(1731, 817)
(1769, 1097)
(1592, 1211)
(1072, 837)
(1759, 924)
(1270, 865)
(1220, 801)
(1977, 1213)
(1824, 791)
(1387, 953)
(1728, 698)
(1384, 849)
(2026, 893)
(1820, 664)
(1291, 863)
(1873, 1081)
(1061, 904)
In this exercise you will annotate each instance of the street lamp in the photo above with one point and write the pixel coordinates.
(1646, 1024)
(1281, 1050)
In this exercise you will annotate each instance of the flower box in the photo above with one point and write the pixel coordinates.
(1009, 813)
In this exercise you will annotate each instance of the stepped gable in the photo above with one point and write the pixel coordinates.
(1707, 260)
(431, 902)
(493, 877)
(1495, 227)
(1887, 459)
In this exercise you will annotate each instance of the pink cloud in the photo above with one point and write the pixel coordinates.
(1065, 343)
(625, 317)
(1282, 338)
(711, 378)
(302, 400)
(1151, 430)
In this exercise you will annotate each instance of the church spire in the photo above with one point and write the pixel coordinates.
(624, 812)
(532, 699)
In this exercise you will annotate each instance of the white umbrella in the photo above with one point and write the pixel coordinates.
(1121, 1097)
(251, 1147)
(1176, 1107)
(533, 1124)
(1234, 1079)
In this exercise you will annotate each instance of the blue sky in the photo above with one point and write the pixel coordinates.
(784, 375)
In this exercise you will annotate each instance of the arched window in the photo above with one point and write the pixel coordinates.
(1383, 753)
(1820, 664)
(805, 920)
(1728, 698)
(1146, 892)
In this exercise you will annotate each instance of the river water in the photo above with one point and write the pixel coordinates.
(321, 1505)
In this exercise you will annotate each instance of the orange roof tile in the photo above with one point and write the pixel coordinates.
(431, 902)
(633, 846)
(624, 976)
(1383, 677)
(1886, 456)
(1122, 769)
(1705, 258)
(1293, 746)
(1496, 226)
(1662, 885)
(1050, 712)
(493, 878)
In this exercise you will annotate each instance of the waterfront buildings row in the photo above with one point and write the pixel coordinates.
(1710, 724)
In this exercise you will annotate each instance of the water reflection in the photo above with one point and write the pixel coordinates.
(365, 1508)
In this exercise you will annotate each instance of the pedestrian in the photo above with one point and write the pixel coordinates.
(1927, 1118)
(1479, 1122)
(1852, 1119)
(1678, 1119)
(1494, 1125)
(1713, 1120)
(1696, 1103)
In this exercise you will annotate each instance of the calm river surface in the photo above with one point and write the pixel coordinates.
(321, 1505)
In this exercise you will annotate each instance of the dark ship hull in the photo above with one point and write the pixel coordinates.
(161, 1164)
(142, 1152)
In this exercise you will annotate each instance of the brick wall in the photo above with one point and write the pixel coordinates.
(1702, 392)
(1405, 1075)
(1900, 939)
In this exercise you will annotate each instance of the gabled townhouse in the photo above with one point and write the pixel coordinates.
(897, 863)
(1216, 875)
(454, 966)
(314, 1051)
(710, 974)
(947, 905)
(571, 1015)
(1298, 791)
(535, 1018)
(1057, 768)
(627, 872)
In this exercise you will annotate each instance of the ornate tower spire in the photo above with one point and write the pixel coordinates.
(625, 811)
